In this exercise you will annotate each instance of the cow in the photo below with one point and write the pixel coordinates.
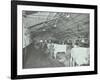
(59, 48)
(80, 56)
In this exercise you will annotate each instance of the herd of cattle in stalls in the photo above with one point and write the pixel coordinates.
(75, 53)
(62, 36)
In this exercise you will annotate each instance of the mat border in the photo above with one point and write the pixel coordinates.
(14, 39)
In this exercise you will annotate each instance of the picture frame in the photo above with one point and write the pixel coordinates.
(17, 12)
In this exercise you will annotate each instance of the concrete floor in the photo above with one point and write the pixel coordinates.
(37, 58)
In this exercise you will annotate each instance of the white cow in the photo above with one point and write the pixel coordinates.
(55, 48)
(59, 48)
(80, 55)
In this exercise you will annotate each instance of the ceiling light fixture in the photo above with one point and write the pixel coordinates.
(44, 30)
(67, 15)
(55, 25)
